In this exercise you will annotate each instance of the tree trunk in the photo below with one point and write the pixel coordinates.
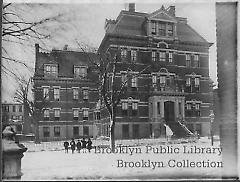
(112, 133)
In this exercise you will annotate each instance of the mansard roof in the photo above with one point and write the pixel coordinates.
(65, 59)
(134, 24)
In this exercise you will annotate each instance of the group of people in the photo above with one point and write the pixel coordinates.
(83, 144)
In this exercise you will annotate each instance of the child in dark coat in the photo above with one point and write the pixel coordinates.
(72, 143)
(66, 144)
(78, 146)
(89, 144)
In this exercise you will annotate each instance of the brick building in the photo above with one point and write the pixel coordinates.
(12, 114)
(62, 80)
(175, 89)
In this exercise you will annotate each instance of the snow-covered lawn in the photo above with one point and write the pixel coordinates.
(58, 165)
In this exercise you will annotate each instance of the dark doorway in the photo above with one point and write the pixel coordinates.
(169, 114)
(135, 131)
(125, 131)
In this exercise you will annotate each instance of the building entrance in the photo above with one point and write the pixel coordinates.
(169, 114)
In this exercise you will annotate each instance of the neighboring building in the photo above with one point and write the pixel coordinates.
(12, 114)
(176, 86)
(68, 96)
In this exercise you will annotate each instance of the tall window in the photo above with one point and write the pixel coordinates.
(154, 28)
(188, 60)
(50, 70)
(80, 71)
(170, 57)
(85, 131)
(75, 114)
(189, 106)
(134, 55)
(85, 114)
(134, 108)
(162, 29)
(154, 80)
(75, 93)
(158, 108)
(7, 108)
(56, 93)
(188, 82)
(14, 108)
(154, 56)
(46, 131)
(57, 114)
(123, 53)
(197, 81)
(134, 81)
(56, 131)
(196, 61)
(85, 94)
(170, 30)
(97, 115)
(125, 108)
(162, 80)
(46, 93)
(46, 114)
(20, 109)
(162, 56)
(197, 108)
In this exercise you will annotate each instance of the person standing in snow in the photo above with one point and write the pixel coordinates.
(84, 143)
(78, 146)
(169, 132)
(89, 144)
(72, 143)
(66, 144)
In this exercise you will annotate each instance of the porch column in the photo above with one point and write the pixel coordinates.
(154, 110)
(176, 108)
(183, 109)
(162, 108)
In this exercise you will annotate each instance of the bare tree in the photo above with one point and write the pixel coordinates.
(33, 111)
(21, 28)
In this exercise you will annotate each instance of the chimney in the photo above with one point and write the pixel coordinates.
(37, 48)
(171, 10)
(131, 7)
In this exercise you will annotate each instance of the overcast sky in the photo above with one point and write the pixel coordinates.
(87, 25)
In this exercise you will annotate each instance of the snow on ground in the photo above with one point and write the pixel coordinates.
(58, 165)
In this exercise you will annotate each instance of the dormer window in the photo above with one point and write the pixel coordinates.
(50, 70)
(154, 28)
(80, 71)
(162, 29)
(170, 30)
